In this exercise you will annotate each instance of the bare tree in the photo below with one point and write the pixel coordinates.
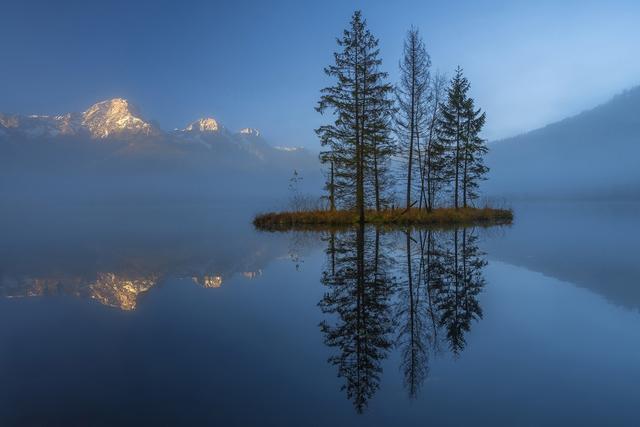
(412, 96)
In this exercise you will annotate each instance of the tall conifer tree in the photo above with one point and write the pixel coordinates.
(453, 129)
(357, 141)
(474, 149)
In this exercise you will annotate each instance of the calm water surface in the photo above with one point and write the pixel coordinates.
(185, 315)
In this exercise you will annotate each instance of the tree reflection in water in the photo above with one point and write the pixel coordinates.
(412, 290)
(358, 293)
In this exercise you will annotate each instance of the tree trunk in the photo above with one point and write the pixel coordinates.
(428, 161)
(359, 147)
(376, 178)
(332, 194)
(457, 162)
(412, 114)
(421, 169)
(412, 321)
(465, 178)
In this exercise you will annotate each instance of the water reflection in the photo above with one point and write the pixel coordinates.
(111, 289)
(121, 290)
(359, 290)
(399, 306)
(409, 290)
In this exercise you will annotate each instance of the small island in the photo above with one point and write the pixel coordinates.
(403, 154)
(439, 217)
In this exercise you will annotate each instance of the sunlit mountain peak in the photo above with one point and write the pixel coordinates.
(206, 124)
(115, 116)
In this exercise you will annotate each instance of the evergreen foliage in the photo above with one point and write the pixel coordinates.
(437, 129)
(357, 144)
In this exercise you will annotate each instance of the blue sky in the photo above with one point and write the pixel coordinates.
(259, 63)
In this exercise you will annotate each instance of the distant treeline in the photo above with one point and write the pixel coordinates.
(431, 126)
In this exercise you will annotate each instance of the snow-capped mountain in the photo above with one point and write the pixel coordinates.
(106, 119)
(113, 117)
(208, 132)
(39, 126)
(206, 124)
(111, 138)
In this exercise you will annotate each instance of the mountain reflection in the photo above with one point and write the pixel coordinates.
(110, 289)
(413, 290)
(208, 281)
(118, 290)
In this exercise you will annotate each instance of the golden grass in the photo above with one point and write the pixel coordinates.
(437, 217)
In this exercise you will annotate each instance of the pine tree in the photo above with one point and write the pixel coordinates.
(412, 96)
(358, 141)
(453, 129)
(474, 149)
(377, 108)
(380, 151)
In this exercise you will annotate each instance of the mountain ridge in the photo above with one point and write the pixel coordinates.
(630, 93)
(110, 150)
(104, 120)
(592, 153)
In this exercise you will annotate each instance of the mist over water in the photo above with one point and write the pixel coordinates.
(136, 290)
(134, 262)
(179, 311)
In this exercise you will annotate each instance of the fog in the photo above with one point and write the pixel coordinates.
(67, 170)
(591, 155)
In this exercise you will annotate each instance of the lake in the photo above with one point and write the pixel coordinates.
(186, 315)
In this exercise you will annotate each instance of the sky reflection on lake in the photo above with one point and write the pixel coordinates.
(153, 320)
